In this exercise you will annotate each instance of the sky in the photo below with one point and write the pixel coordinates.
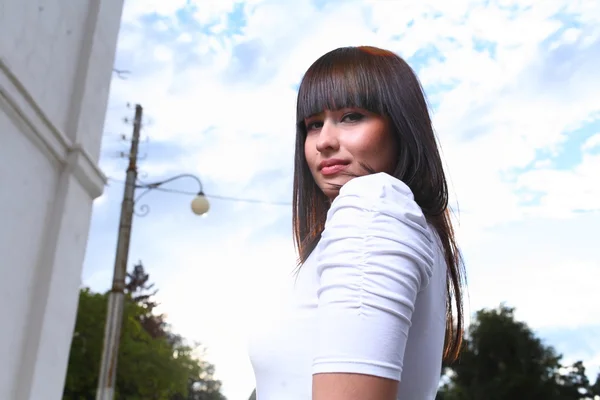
(514, 92)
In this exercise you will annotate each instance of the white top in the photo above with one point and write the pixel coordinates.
(370, 299)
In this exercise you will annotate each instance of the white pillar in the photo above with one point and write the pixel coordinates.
(56, 60)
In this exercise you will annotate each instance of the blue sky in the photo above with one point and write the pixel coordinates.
(514, 94)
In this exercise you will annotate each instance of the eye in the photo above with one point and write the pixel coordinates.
(313, 125)
(352, 117)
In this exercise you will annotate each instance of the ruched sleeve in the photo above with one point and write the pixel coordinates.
(375, 255)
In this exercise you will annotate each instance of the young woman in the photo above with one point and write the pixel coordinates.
(377, 300)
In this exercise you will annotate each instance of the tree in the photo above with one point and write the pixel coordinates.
(154, 363)
(141, 292)
(202, 386)
(596, 386)
(86, 347)
(503, 360)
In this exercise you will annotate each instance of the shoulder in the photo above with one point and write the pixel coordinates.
(379, 213)
(380, 193)
(375, 256)
(377, 186)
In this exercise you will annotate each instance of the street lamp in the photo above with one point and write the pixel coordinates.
(199, 205)
(116, 296)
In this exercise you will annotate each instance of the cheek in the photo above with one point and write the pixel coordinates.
(378, 150)
(309, 152)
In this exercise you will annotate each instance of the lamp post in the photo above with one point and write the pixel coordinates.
(116, 297)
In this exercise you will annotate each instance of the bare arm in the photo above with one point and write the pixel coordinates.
(342, 386)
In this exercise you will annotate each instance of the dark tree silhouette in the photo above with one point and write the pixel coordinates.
(596, 386)
(141, 292)
(503, 360)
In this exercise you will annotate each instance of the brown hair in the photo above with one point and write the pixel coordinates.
(379, 81)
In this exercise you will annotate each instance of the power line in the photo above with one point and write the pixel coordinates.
(226, 198)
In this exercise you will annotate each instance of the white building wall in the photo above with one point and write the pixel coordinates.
(56, 60)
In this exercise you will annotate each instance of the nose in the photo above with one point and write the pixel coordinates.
(328, 140)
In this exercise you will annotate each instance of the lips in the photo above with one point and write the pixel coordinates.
(332, 166)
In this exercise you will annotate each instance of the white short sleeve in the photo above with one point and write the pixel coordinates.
(375, 255)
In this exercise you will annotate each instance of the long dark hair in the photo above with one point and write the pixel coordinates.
(381, 82)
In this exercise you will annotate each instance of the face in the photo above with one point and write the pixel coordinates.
(337, 142)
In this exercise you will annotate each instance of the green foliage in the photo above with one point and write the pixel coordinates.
(503, 360)
(154, 363)
(86, 346)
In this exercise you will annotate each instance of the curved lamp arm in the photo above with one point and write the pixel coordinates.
(199, 205)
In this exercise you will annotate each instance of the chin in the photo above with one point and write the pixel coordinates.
(332, 192)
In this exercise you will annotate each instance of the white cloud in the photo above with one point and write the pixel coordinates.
(547, 270)
(133, 10)
(592, 143)
(229, 101)
(542, 290)
(206, 12)
(566, 192)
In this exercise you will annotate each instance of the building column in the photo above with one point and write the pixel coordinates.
(49, 177)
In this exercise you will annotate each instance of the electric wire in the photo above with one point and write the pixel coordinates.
(212, 196)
